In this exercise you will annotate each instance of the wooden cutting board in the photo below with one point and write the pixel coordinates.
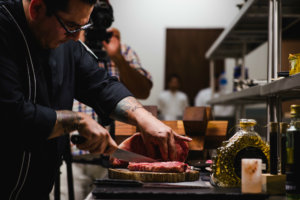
(119, 173)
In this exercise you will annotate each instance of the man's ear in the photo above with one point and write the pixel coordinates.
(37, 9)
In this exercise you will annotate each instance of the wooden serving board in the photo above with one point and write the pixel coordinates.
(119, 173)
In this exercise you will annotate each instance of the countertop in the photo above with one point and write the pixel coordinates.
(184, 190)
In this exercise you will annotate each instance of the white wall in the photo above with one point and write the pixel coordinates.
(257, 62)
(143, 25)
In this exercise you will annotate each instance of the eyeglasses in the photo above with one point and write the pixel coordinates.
(84, 27)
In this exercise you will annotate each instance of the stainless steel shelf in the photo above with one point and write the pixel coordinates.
(286, 88)
(250, 95)
(250, 29)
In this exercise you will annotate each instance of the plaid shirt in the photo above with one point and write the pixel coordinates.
(132, 58)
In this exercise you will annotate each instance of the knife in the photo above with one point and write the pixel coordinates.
(131, 156)
(120, 154)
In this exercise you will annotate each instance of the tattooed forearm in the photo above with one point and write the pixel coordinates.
(124, 108)
(69, 120)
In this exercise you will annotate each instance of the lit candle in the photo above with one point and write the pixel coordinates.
(251, 175)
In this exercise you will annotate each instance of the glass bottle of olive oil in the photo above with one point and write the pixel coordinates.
(292, 148)
(283, 130)
(245, 143)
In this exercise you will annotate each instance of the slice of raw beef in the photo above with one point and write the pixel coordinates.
(170, 167)
(135, 144)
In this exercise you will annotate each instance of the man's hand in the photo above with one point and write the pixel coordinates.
(154, 132)
(98, 139)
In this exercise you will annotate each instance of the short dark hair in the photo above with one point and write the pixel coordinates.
(171, 76)
(61, 5)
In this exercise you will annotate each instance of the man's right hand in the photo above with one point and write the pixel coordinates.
(98, 139)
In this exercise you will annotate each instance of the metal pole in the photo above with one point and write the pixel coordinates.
(279, 119)
(270, 42)
(243, 77)
(279, 35)
(243, 111)
(212, 82)
(270, 110)
(243, 74)
(268, 119)
(279, 100)
(68, 159)
(275, 39)
(212, 77)
(238, 115)
(270, 115)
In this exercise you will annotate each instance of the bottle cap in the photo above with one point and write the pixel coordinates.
(295, 110)
(283, 127)
(247, 122)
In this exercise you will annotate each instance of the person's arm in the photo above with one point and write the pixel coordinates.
(96, 89)
(137, 83)
(154, 132)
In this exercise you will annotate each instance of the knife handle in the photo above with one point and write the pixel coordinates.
(77, 139)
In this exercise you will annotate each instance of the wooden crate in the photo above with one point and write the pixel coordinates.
(215, 134)
(195, 120)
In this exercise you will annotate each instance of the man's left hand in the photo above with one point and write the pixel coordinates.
(156, 133)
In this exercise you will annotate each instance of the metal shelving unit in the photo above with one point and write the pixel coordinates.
(250, 28)
(247, 96)
(260, 21)
(287, 88)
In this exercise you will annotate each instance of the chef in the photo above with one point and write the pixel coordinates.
(43, 67)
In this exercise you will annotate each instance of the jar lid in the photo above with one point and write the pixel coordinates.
(247, 122)
(295, 109)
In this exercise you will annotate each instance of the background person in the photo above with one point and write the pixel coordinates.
(219, 112)
(126, 65)
(172, 102)
(205, 95)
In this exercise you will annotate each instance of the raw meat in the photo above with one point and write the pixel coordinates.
(135, 144)
(170, 167)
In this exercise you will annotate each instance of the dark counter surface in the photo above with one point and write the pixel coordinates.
(184, 190)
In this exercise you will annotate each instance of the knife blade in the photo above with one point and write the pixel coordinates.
(129, 156)
(120, 154)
